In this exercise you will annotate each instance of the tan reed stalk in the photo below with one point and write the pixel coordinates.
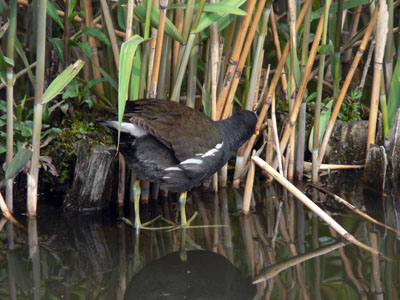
(278, 51)
(381, 36)
(87, 6)
(129, 19)
(345, 86)
(110, 31)
(311, 205)
(237, 69)
(179, 25)
(317, 112)
(276, 77)
(151, 58)
(248, 189)
(276, 137)
(158, 52)
(303, 85)
(354, 25)
(237, 49)
(229, 42)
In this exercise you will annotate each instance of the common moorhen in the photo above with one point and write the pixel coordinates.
(175, 145)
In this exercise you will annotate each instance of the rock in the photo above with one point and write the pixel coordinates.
(95, 184)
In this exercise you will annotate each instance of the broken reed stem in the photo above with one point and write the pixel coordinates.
(302, 89)
(159, 47)
(353, 208)
(246, 48)
(233, 62)
(346, 84)
(381, 36)
(276, 77)
(311, 205)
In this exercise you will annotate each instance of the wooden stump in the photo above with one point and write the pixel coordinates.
(95, 184)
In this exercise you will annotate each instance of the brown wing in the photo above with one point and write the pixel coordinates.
(182, 129)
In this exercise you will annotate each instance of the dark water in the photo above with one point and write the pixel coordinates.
(281, 244)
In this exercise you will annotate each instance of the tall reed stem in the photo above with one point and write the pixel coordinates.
(38, 108)
(12, 30)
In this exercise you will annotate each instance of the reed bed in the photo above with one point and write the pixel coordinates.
(214, 57)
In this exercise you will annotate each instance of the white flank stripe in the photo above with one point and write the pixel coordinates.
(213, 150)
(192, 161)
(173, 169)
(129, 128)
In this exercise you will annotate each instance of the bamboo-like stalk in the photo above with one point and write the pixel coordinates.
(279, 51)
(248, 189)
(159, 48)
(33, 174)
(317, 113)
(345, 86)
(179, 25)
(66, 34)
(191, 76)
(236, 54)
(188, 49)
(232, 66)
(129, 20)
(87, 5)
(381, 35)
(12, 32)
(384, 111)
(276, 77)
(151, 58)
(164, 79)
(110, 31)
(353, 30)
(257, 60)
(311, 205)
(389, 47)
(336, 58)
(299, 98)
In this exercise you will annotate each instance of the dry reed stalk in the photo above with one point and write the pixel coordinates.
(276, 137)
(311, 205)
(380, 38)
(278, 50)
(228, 102)
(302, 89)
(308, 167)
(277, 75)
(129, 19)
(229, 41)
(354, 25)
(159, 47)
(248, 189)
(110, 31)
(176, 45)
(233, 62)
(345, 86)
(87, 6)
(151, 58)
(353, 208)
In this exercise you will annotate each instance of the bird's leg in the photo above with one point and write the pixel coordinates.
(138, 222)
(182, 203)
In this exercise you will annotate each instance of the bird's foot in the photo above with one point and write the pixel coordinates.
(185, 224)
(139, 225)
